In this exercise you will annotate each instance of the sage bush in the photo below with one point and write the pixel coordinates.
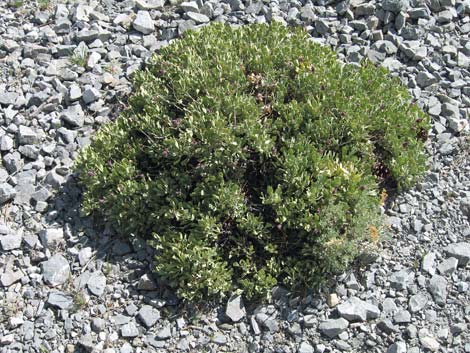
(250, 156)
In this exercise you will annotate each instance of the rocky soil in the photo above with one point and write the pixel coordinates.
(67, 284)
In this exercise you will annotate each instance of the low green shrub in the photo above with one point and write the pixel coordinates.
(251, 156)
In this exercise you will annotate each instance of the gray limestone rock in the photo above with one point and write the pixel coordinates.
(402, 317)
(120, 320)
(149, 4)
(419, 12)
(131, 309)
(414, 50)
(219, 339)
(385, 325)
(29, 151)
(305, 347)
(164, 333)
(397, 347)
(84, 255)
(11, 241)
(60, 300)
(235, 309)
(438, 288)
(87, 342)
(385, 46)
(98, 324)
(54, 180)
(356, 309)
(189, 6)
(400, 279)
(143, 22)
(27, 136)
(428, 263)
(56, 270)
(417, 302)
(461, 251)
(186, 25)
(197, 17)
(74, 116)
(445, 16)
(75, 92)
(448, 266)
(428, 341)
(51, 237)
(129, 330)
(97, 283)
(82, 12)
(395, 5)
(148, 315)
(391, 64)
(389, 306)
(10, 277)
(7, 192)
(425, 79)
(8, 98)
(146, 282)
(6, 143)
(91, 95)
(333, 327)
(93, 60)
(307, 13)
(310, 320)
(365, 9)
(450, 110)
(457, 329)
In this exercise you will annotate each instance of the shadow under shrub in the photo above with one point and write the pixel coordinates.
(250, 156)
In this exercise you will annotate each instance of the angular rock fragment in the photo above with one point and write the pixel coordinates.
(235, 309)
(333, 327)
(148, 315)
(11, 241)
(56, 270)
(143, 22)
(461, 251)
(7, 192)
(52, 237)
(417, 302)
(438, 288)
(60, 300)
(129, 330)
(356, 309)
(97, 283)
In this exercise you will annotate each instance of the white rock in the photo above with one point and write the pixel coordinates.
(333, 327)
(16, 321)
(91, 95)
(97, 283)
(56, 270)
(84, 255)
(143, 22)
(461, 251)
(235, 309)
(52, 237)
(7, 339)
(358, 310)
(7, 192)
(429, 343)
(11, 241)
(6, 143)
(189, 6)
(149, 4)
(93, 59)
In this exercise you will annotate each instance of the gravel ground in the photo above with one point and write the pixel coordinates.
(68, 285)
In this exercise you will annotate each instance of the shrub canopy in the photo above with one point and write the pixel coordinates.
(251, 156)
